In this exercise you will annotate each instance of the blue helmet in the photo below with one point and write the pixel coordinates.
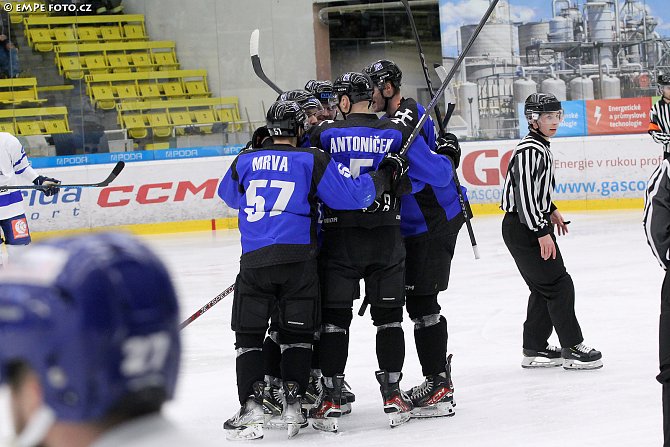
(96, 318)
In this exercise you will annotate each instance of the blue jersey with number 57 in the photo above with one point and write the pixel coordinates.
(275, 190)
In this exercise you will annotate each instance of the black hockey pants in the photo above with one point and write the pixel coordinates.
(551, 303)
(664, 356)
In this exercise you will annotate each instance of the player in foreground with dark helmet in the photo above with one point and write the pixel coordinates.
(528, 232)
(276, 188)
(366, 244)
(659, 117)
(89, 344)
(430, 220)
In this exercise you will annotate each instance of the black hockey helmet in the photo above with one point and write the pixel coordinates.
(357, 86)
(285, 118)
(322, 90)
(663, 79)
(305, 99)
(538, 103)
(384, 70)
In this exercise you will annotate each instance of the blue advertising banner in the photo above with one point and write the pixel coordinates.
(573, 125)
(113, 157)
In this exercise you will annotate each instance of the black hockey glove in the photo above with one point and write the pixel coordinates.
(448, 146)
(397, 167)
(49, 186)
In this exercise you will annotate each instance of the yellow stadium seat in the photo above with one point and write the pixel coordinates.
(95, 63)
(29, 128)
(88, 34)
(165, 60)
(110, 33)
(229, 116)
(197, 89)
(141, 61)
(8, 127)
(118, 62)
(134, 32)
(149, 91)
(204, 116)
(135, 125)
(56, 126)
(64, 35)
(181, 118)
(160, 125)
(126, 91)
(71, 67)
(41, 39)
(172, 89)
(103, 97)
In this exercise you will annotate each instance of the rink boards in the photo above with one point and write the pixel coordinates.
(160, 193)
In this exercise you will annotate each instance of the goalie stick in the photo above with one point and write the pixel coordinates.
(450, 108)
(110, 178)
(206, 307)
(256, 61)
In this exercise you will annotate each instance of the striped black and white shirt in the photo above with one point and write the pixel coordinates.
(659, 124)
(529, 183)
(657, 213)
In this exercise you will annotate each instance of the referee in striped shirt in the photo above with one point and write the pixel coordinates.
(528, 232)
(657, 231)
(659, 117)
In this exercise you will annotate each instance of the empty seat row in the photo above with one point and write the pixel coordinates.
(44, 33)
(34, 121)
(165, 117)
(16, 91)
(77, 60)
(105, 90)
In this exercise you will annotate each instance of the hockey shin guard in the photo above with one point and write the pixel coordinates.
(430, 338)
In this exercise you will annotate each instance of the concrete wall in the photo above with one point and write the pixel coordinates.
(214, 35)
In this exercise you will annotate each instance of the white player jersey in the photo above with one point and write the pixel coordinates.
(149, 431)
(14, 170)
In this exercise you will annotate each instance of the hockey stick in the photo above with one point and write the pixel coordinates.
(256, 61)
(465, 208)
(442, 124)
(110, 178)
(206, 307)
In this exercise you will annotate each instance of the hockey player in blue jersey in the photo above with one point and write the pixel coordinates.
(275, 189)
(430, 219)
(14, 164)
(367, 244)
(89, 344)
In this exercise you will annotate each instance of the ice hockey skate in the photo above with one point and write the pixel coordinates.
(581, 357)
(347, 399)
(292, 414)
(397, 405)
(247, 423)
(435, 396)
(314, 389)
(327, 409)
(545, 358)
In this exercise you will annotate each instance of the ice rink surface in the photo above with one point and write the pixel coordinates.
(617, 284)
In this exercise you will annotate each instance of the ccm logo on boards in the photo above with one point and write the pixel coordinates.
(155, 193)
(485, 167)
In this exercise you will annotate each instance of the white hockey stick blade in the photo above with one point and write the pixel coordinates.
(253, 42)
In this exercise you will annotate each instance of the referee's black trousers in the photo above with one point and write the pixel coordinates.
(664, 355)
(551, 303)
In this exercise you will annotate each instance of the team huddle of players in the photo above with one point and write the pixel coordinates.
(324, 203)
